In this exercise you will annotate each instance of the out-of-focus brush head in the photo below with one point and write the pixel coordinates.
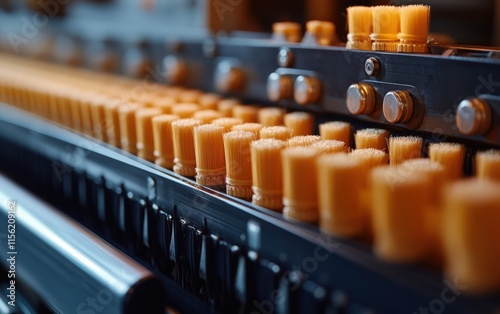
(471, 235)
(370, 157)
(209, 150)
(340, 182)
(248, 114)
(271, 116)
(302, 140)
(488, 164)
(302, 123)
(163, 141)
(399, 211)
(238, 163)
(277, 132)
(190, 96)
(207, 115)
(300, 193)
(336, 130)
(185, 110)
(267, 173)
(402, 148)
(185, 157)
(227, 123)
(371, 138)
(450, 156)
(250, 127)
(209, 101)
(226, 106)
(128, 131)
(329, 146)
(164, 103)
(145, 141)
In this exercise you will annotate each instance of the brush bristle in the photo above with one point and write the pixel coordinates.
(238, 163)
(385, 22)
(402, 148)
(470, 234)
(145, 140)
(209, 101)
(488, 164)
(209, 150)
(303, 140)
(415, 22)
(248, 114)
(267, 181)
(329, 146)
(190, 96)
(371, 138)
(301, 123)
(207, 115)
(359, 20)
(128, 131)
(336, 130)
(250, 127)
(340, 182)
(163, 141)
(300, 195)
(271, 116)
(450, 156)
(185, 110)
(399, 209)
(185, 157)
(226, 106)
(277, 132)
(227, 122)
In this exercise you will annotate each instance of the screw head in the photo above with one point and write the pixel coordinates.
(372, 66)
(285, 57)
(360, 99)
(397, 106)
(473, 117)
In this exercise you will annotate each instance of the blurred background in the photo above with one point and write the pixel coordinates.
(471, 22)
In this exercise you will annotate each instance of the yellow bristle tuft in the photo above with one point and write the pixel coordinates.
(163, 141)
(402, 148)
(271, 116)
(399, 215)
(226, 106)
(250, 127)
(227, 123)
(97, 105)
(238, 163)
(340, 183)
(248, 114)
(302, 140)
(385, 28)
(300, 193)
(371, 138)
(207, 115)
(370, 157)
(128, 135)
(488, 164)
(209, 151)
(113, 120)
(145, 141)
(190, 96)
(209, 101)
(267, 173)
(185, 110)
(301, 123)
(359, 22)
(164, 103)
(414, 28)
(470, 234)
(329, 146)
(336, 130)
(277, 132)
(450, 156)
(185, 157)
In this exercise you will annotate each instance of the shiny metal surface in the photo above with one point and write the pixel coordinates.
(279, 87)
(398, 106)
(306, 90)
(473, 117)
(360, 99)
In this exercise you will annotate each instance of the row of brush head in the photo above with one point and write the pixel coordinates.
(388, 28)
(384, 192)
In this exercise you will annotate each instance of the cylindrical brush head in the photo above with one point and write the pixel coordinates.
(185, 157)
(227, 123)
(402, 148)
(301, 123)
(277, 132)
(371, 138)
(209, 150)
(336, 130)
(163, 141)
(271, 116)
(488, 164)
(450, 156)
(303, 140)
